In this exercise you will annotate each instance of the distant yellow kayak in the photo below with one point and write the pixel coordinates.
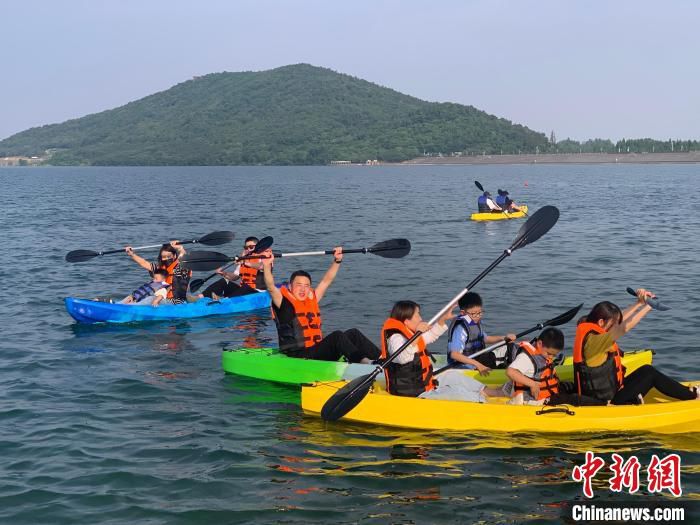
(658, 414)
(499, 216)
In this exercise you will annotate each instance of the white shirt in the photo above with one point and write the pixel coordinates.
(523, 364)
(492, 205)
(406, 356)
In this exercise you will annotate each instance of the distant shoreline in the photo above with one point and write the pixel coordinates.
(562, 158)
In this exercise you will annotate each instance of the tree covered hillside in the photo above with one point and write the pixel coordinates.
(297, 114)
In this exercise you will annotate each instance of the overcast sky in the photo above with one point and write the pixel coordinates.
(584, 69)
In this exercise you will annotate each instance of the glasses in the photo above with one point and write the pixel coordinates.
(478, 313)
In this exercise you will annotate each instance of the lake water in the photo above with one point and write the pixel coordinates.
(138, 424)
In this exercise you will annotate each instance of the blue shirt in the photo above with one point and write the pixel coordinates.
(459, 338)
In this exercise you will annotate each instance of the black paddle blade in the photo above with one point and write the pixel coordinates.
(263, 244)
(563, 318)
(391, 249)
(200, 261)
(196, 284)
(536, 226)
(80, 256)
(216, 238)
(478, 185)
(347, 398)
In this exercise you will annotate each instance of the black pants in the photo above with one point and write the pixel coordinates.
(351, 344)
(644, 379)
(488, 359)
(564, 398)
(224, 288)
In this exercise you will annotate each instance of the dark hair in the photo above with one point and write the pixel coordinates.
(299, 273)
(248, 239)
(606, 311)
(552, 338)
(167, 247)
(470, 299)
(403, 310)
(160, 271)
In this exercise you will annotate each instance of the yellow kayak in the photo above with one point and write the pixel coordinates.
(499, 216)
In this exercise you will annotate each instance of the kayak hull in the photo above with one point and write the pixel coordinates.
(658, 414)
(499, 216)
(87, 311)
(270, 364)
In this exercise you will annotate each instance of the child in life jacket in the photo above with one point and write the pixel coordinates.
(410, 374)
(466, 337)
(152, 292)
(533, 375)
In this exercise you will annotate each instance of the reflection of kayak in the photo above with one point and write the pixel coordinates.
(657, 414)
(271, 365)
(86, 311)
(499, 216)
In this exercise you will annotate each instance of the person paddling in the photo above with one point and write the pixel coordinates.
(598, 369)
(487, 205)
(533, 375)
(410, 374)
(295, 308)
(466, 337)
(505, 202)
(247, 272)
(168, 260)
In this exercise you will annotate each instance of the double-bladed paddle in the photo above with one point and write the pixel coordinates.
(262, 245)
(651, 301)
(207, 261)
(557, 321)
(212, 239)
(349, 396)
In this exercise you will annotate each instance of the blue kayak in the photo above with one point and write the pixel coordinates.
(86, 311)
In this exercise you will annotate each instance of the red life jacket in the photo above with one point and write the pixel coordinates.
(600, 382)
(410, 379)
(544, 372)
(307, 329)
(248, 275)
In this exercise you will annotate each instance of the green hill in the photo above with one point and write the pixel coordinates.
(298, 114)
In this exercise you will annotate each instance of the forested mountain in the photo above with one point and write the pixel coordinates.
(298, 114)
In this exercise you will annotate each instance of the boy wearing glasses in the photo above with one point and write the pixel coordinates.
(466, 337)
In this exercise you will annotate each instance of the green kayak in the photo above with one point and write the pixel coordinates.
(272, 365)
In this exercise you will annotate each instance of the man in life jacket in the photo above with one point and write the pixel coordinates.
(152, 292)
(295, 308)
(534, 377)
(169, 260)
(466, 337)
(486, 204)
(246, 278)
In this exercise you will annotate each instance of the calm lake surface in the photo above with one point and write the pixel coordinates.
(138, 423)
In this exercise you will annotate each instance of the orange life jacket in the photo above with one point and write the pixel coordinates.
(248, 275)
(308, 317)
(410, 379)
(169, 278)
(544, 372)
(601, 382)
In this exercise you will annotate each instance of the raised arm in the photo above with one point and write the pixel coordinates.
(632, 315)
(275, 293)
(330, 273)
(143, 263)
